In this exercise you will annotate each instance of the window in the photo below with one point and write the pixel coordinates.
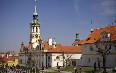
(36, 29)
(105, 35)
(57, 57)
(89, 60)
(115, 47)
(21, 61)
(48, 58)
(33, 29)
(74, 63)
(91, 48)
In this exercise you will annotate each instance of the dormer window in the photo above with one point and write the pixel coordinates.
(105, 36)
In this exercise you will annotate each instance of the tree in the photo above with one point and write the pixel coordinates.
(2, 60)
(103, 49)
(95, 66)
(67, 59)
(98, 63)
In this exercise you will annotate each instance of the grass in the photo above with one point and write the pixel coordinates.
(83, 69)
(71, 69)
(51, 72)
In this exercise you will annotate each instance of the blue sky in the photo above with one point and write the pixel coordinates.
(60, 19)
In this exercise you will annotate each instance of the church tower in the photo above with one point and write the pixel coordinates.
(34, 30)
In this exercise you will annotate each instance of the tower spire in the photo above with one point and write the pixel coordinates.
(35, 11)
(35, 15)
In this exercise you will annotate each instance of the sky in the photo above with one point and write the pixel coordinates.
(59, 19)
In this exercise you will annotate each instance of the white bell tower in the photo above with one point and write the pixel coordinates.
(34, 30)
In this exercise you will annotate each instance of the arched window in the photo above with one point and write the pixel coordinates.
(33, 29)
(36, 29)
(57, 57)
(91, 48)
(21, 61)
(48, 58)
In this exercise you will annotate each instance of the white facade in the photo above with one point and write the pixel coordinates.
(90, 53)
(90, 57)
(35, 55)
(32, 55)
(56, 59)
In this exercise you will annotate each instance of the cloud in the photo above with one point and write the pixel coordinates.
(105, 7)
(109, 7)
(76, 6)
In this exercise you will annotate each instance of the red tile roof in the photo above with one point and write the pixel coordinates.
(26, 46)
(9, 59)
(60, 48)
(68, 49)
(46, 45)
(96, 34)
(78, 42)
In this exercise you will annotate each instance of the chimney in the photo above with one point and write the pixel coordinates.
(50, 41)
(98, 28)
(54, 43)
(91, 30)
(109, 35)
(6, 55)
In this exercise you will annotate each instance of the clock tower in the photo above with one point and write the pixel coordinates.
(34, 31)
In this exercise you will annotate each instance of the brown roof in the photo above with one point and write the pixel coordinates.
(46, 45)
(9, 59)
(69, 49)
(78, 42)
(60, 48)
(26, 46)
(96, 34)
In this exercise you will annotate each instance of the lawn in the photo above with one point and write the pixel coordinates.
(52, 72)
(71, 69)
(83, 69)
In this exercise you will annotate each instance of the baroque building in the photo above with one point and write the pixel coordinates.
(39, 53)
(29, 54)
(103, 39)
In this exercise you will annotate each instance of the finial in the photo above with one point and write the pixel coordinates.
(35, 11)
(77, 37)
(22, 43)
(77, 34)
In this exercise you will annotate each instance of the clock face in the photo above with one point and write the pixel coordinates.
(36, 36)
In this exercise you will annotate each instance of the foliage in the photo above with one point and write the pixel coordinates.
(95, 66)
(104, 50)
(67, 59)
(2, 60)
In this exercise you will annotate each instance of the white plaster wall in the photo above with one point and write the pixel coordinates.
(35, 45)
(24, 59)
(86, 49)
(60, 61)
(93, 55)
(111, 60)
(44, 59)
(74, 56)
(54, 60)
